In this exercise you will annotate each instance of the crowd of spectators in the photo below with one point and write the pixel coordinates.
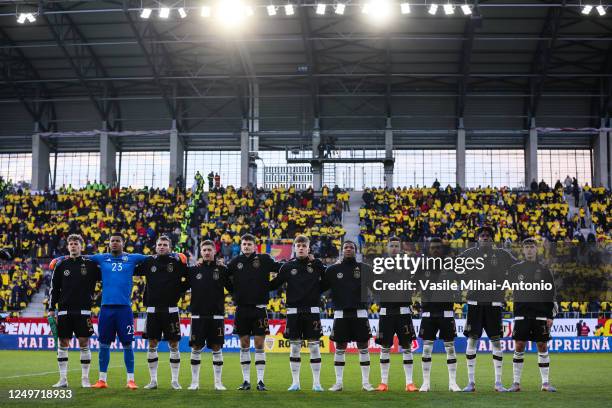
(272, 216)
(415, 214)
(37, 224)
(19, 280)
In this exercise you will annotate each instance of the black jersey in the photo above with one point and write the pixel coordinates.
(532, 303)
(345, 281)
(436, 302)
(73, 284)
(398, 300)
(207, 282)
(304, 282)
(165, 276)
(250, 277)
(497, 263)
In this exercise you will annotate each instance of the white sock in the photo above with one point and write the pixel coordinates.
(153, 361)
(339, 365)
(62, 361)
(451, 361)
(260, 364)
(130, 376)
(315, 361)
(497, 359)
(196, 360)
(102, 376)
(364, 362)
(245, 362)
(408, 365)
(426, 361)
(544, 364)
(517, 366)
(295, 361)
(217, 357)
(175, 363)
(385, 362)
(470, 356)
(85, 362)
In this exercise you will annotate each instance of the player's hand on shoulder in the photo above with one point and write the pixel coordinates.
(220, 261)
(56, 261)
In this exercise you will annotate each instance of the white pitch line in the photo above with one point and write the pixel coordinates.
(54, 372)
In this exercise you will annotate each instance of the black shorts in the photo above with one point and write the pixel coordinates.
(76, 323)
(164, 324)
(430, 326)
(251, 321)
(389, 326)
(206, 331)
(303, 326)
(349, 329)
(531, 330)
(485, 317)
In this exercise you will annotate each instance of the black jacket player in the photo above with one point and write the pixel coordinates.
(72, 289)
(250, 275)
(350, 313)
(485, 306)
(437, 317)
(303, 277)
(208, 281)
(533, 313)
(165, 275)
(395, 319)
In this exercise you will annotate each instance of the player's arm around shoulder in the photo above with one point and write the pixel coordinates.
(280, 278)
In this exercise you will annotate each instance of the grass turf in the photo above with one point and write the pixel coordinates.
(581, 379)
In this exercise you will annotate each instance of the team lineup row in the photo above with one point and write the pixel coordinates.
(249, 277)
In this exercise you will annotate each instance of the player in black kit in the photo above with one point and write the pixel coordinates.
(303, 277)
(350, 314)
(485, 307)
(533, 314)
(72, 289)
(165, 275)
(395, 318)
(208, 282)
(437, 318)
(250, 275)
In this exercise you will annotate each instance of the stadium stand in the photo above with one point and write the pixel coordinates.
(37, 224)
(418, 213)
(19, 280)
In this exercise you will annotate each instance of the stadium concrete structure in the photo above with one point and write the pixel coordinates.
(96, 76)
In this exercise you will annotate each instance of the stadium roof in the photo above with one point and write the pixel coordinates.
(84, 62)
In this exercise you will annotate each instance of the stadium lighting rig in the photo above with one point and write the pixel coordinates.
(23, 17)
(377, 10)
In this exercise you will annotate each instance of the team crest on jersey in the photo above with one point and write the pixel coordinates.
(170, 267)
(240, 265)
(521, 277)
(339, 275)
(215, 275)
(83, 270)
(294, 271)
(357, 273)
(199, 276)
(67, 272)
(154, 269)
(309, 269)
(256, 263)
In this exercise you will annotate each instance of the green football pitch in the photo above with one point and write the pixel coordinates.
(581, 379)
